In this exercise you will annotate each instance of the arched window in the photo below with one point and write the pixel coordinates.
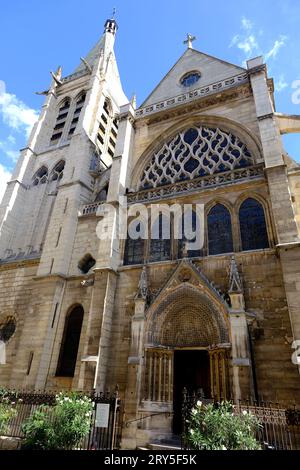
(78, 107)
(219, 230)
(107, 131)
(254, 235)
(7, 329)
(70, 343)
(183, 252)
(193, 153)
(86, 263)
(134, 248)
(40, 176)
(160, 244)
(57, 172)
(60, 121)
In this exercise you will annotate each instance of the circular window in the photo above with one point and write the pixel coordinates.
(7, 329)
(190, 79)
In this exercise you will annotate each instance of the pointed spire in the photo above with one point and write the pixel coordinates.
(102, 49)
(235, 282)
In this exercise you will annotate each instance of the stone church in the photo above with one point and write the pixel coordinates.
(82, 311)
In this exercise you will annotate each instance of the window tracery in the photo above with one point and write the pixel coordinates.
(195, 152)
(57, 172)
(40, 177)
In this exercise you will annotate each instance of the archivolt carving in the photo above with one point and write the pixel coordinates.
(197, 151)
(187, 318)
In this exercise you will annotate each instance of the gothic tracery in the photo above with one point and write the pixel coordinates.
(197, 151)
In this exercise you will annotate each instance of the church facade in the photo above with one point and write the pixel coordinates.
(83, 308)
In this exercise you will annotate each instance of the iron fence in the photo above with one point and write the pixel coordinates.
(279, 426)
(102, 436)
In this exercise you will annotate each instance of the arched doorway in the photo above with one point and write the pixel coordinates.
(70, 342)
(186, 347)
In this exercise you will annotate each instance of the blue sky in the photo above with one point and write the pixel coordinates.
(37, 36)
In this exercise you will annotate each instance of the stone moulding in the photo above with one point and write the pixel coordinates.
(198, 184)
(191, 95)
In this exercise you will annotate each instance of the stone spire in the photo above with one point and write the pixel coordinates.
(102, 49)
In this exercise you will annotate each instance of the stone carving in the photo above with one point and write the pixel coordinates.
(198, 184)
(194, 94)
(143, 285)
(195, 152)
(235, 282)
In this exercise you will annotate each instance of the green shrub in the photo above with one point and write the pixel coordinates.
(219, 427)
(7, 411)
(61, 426)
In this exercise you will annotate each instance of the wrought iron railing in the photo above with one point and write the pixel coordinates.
(280, 426)
(98, 438)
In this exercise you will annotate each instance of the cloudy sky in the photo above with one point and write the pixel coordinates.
(36, 37)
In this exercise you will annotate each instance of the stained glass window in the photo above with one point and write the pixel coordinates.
(190, 79)
(134, 249)
(219, 230)
(160, 245)
(193, 153)
(183, 242)
(253, 227)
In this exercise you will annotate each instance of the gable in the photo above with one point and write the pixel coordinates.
(211, 69)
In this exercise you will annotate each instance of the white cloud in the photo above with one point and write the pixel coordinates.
(5, 176)
(247, 41)
(8, 148)
(16, 114)
(277, 45)
(281, 84)
(246, 23)
(248, 44)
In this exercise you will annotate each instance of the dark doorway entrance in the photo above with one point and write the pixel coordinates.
(191, 370)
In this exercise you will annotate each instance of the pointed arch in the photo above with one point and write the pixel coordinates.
(219, 230)
(62, 116)
(58, 171)
(253, 227)
(226, 125)
(70, 342)
(40, 176)
(79, 103)
(186, 317)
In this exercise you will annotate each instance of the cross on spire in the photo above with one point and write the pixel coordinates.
(189, 40)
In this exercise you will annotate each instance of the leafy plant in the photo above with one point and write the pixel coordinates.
(7, 411)
(220, 427)
(61, 426)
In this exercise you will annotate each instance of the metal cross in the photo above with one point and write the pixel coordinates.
(189, 40)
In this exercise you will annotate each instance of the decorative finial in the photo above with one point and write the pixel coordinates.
(143, 285)
(114, 13)
(189, 40)
(235, 282)
(133, 100)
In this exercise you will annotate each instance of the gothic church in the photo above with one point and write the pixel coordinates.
(79, 311)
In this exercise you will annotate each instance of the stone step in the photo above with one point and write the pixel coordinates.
(164, 446)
